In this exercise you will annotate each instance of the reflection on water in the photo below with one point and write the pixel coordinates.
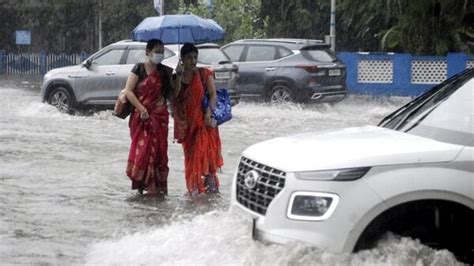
(64, 196)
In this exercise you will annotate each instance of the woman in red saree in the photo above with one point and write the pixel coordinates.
(147, 88)
(193, 127)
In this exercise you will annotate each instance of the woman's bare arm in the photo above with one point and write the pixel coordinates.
(132, 82)
(211, 90)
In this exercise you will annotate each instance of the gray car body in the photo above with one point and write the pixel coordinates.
(94, 84)
(258, 78)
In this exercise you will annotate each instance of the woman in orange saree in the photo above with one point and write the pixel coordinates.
(147, 88)
(193, 127)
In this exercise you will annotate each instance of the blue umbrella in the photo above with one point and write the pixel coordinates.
(178, 29)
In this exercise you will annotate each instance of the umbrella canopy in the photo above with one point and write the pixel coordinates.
(178, 29)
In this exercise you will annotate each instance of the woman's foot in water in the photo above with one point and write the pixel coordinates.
(210, 183)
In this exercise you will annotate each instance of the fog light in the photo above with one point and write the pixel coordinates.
(312, 206)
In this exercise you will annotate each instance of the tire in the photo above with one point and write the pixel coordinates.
(61, 99)
(281, 93)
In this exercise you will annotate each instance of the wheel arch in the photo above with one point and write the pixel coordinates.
(56, 84)
(276, 81)
(386, 208)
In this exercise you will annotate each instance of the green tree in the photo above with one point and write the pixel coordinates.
(240, 18)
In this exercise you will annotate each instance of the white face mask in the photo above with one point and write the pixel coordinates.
(156, 58)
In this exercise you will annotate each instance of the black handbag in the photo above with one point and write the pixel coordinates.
(122, 109)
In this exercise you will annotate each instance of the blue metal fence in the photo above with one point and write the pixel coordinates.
(367, 73)
(36, 63)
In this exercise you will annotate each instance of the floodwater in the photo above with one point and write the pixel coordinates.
(65, 199)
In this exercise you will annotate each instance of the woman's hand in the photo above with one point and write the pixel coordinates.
(207, 119)
(144, 114)
(179, 68)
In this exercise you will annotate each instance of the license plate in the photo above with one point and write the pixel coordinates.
(221, 75)
(334, 72)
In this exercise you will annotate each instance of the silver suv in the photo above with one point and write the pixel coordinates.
(342, 190)
(283, 70)
(97, 81)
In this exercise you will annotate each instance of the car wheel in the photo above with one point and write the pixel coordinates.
(61, 99)
(280, 93)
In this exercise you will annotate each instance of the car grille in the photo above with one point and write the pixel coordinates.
(270, 182)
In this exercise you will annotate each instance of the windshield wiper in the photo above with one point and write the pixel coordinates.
(224, 62)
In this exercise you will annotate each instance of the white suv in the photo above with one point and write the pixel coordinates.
(342, 190)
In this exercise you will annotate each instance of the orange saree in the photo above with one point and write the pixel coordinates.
(148, 158)
(201, 144)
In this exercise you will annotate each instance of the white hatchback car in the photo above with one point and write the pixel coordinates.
(342, 190)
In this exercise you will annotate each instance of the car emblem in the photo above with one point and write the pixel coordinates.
(251, 178)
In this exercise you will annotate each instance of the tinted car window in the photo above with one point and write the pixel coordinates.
(319, 55)
(234, 52)
(446, 114)
(211, 55)
(137, 55)
(111, 57)
(261, 53)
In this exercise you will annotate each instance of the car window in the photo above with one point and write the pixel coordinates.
(211, 55)
(261, 53)
(137, 55)
(284, 52)
(319, 55)
(234, 52)
(447, 114)
(111, 57)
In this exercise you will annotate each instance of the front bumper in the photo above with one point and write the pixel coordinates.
(335, 234)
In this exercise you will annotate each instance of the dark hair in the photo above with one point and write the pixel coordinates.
(188, 48)
(153, 43)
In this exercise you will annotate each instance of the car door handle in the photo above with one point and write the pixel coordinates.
(109, 73)
(77, 76)
(270, 69)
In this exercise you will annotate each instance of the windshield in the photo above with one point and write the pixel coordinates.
(445, 113)
(210, 56)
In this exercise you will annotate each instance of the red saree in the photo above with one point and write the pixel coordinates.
(201, 144)
(148, 158)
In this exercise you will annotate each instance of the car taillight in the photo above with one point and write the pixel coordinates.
(308, 68)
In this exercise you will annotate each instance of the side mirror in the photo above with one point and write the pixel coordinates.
(87, 64)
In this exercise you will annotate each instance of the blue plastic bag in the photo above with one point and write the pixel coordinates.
(223, 111)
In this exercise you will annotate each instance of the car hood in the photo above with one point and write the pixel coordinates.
(65, 70)
(347, 148)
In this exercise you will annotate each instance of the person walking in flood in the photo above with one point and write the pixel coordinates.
(148, 87)
(193, 126)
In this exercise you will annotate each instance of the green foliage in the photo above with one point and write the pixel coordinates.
(240, 18)
(431, 27)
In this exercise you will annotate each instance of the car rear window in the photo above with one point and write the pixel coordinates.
(325, 56)
(210, 56)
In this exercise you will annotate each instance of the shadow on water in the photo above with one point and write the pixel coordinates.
(183, 206)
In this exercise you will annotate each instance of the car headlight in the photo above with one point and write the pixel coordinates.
(335, 175)
(311, 206)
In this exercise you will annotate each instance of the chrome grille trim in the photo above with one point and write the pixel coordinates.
(271, 181)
